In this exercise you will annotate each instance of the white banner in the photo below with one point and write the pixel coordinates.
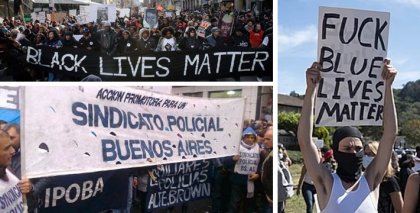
(10, 195)
(125, 12)
(85, 129)
(41, 16)
(352, 45)
(73, 13)
(9, 97)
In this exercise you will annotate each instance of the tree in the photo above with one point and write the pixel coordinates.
(289, 121)
(411, 129)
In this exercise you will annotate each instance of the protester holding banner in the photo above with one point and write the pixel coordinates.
(87, 42)
(348, 152)
(10, 189)
(245, 173)
(191, 41)
(215, 40)
(126, 44)
(107, 39)
(146, 42)
(168, 41)
(69, 41)
(239, 38)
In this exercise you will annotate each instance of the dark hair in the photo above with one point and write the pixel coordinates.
(12, 125)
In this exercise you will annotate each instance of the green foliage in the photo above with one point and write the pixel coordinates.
(324, 133)
(411, 129)
(295, 156)
(289, 121)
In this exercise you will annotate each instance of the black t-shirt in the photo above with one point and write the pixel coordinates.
(387, 187)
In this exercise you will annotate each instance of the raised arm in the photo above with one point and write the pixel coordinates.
(376, 171)
(319, 174)
(411, 195)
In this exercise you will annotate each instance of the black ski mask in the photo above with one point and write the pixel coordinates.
(349, 164)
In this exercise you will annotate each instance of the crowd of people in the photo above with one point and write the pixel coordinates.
(127, 36)
(233, 190)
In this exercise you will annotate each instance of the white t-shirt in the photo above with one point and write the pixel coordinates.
(10, 195)
(417, 164)
(168, 44)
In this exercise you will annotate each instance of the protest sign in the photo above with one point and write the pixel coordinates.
(41, 17)
(168, 14)
(352, 45)
(154, 66)
(9, 97)
(84, 17)
(151, 19)
(73, 13)
(83, 192)
(125, 12)
(201, 31)
(179, 183)
(102, 14)
(98, 129)
(226, 24)
(10, 195)
(58, 16)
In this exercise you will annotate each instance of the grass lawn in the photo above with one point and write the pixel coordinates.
(295, 204)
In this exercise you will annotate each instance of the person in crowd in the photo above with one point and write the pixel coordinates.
(146, 42)
(191, 41)
(107, 39)
(127, 44)
(168, 41)
(35, 189)
(215, 40)
(69, 41)
(412, 194)
(256, 36)
(39, 40)
(267, 169)
(53, 39)
(406, 164)
(417, 159)
(332, 189)
(245, 173)
(213, 23)
(283, 156)
(239, 38)
(86, 41)
(308, 189)
(390, 199)
(328, 160)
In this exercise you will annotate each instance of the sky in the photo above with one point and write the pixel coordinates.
(298, 30)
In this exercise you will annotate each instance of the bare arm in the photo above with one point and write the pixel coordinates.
(376, 171)
(411, 195)
(319, 174)
(397, 201)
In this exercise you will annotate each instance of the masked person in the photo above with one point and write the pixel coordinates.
(333, 189)
(87, 42)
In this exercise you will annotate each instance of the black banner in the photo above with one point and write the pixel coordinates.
(91, 192)
(179, 183)
(154, 66)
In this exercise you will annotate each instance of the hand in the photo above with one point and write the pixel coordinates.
(253, 177)
(313, 75)
(389, 72)
(236, 157)
(298, 191)
(25, 186)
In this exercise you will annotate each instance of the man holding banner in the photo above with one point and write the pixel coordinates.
(348, 151)
(10, 189)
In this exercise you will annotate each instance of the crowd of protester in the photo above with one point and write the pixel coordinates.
(230, 188)
(126, 36)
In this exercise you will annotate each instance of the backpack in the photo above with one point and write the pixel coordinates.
(285, 187)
